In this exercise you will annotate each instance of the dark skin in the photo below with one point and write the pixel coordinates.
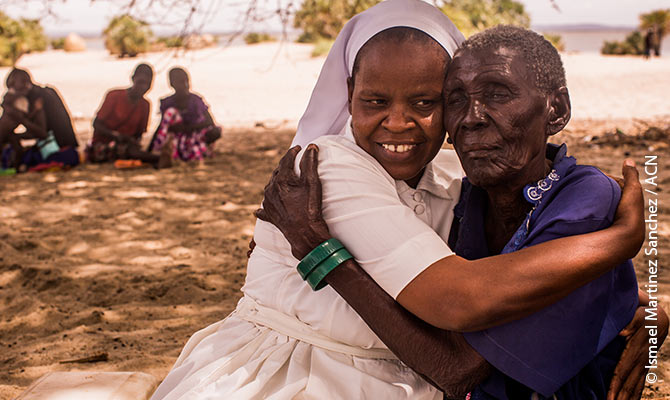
(141, 84)
(499, 122)
(34, 121)
(179, 81)
(293, 204)
(400, 111)
(386, 317)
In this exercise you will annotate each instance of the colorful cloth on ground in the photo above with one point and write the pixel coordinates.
(66, 156)
(119, 114)
(57, 117)
(187, 146)
(571, 347)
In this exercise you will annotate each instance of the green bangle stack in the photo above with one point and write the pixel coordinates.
(320, 261)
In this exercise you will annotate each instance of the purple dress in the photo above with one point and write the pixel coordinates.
(568, 349)
(187, 145)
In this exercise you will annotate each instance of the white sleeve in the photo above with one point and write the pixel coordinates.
(363, 210)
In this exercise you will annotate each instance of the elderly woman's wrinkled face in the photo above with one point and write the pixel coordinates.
(496, 117)
(396, 106)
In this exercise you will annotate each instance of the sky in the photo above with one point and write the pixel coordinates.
(86, 16)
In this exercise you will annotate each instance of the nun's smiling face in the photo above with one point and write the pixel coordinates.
(395, 100)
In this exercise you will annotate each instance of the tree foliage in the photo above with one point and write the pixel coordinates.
(472, 16)
(659, 19)
(323, 19)
(127, 36)
(18, 37)
(256, 37)
(633, 45)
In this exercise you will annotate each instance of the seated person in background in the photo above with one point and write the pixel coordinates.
(121, 121)
(186, 118)
(504, 95)
(45, 118)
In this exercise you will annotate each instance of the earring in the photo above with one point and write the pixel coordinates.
(449, 140)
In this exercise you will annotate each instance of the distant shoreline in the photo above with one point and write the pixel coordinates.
(582, 41)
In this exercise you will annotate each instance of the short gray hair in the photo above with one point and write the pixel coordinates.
(540, 55)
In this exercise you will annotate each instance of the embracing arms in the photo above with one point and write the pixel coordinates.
(440, 356)
(461, 295)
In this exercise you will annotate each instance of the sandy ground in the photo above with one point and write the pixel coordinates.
(122, 266)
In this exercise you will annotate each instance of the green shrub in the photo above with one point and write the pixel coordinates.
(472, 16)
(255, 37)
(632, 45)
(555, 40)
(323, 19)
(18, 37)
(322, 47)
(171, 41)
(58, 44)
(127, 36)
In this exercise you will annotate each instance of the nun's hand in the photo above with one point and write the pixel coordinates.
(293, 203)
(630, 374)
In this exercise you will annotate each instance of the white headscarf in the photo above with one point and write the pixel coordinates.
(327, 111)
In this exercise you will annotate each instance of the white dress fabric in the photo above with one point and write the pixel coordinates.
(394, 231)
(285, 341)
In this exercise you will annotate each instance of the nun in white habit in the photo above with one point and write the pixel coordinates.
(285, 341)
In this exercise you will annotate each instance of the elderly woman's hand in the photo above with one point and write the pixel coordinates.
(630, 373)
(293, 203)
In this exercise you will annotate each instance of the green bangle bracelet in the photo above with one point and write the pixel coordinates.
(316, 278)
(316, 256)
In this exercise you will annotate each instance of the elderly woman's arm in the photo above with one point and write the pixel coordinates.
(461, 295)
(443, 358)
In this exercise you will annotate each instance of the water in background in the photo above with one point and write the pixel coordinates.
(585, 42)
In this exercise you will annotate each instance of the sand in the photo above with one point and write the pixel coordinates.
(122, 266)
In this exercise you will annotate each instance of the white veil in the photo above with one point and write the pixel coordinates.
(327, 111)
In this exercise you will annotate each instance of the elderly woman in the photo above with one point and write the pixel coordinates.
(505, 95)
(286, 341)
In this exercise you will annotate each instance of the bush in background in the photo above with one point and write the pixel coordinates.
(19, 37)
(555, 40)
(171, 42)
(659, 22)
(255, 37)
(323, 19)
(322, 47)
(472, 16)
(58, 43)
(127, 36)
(632, 45)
